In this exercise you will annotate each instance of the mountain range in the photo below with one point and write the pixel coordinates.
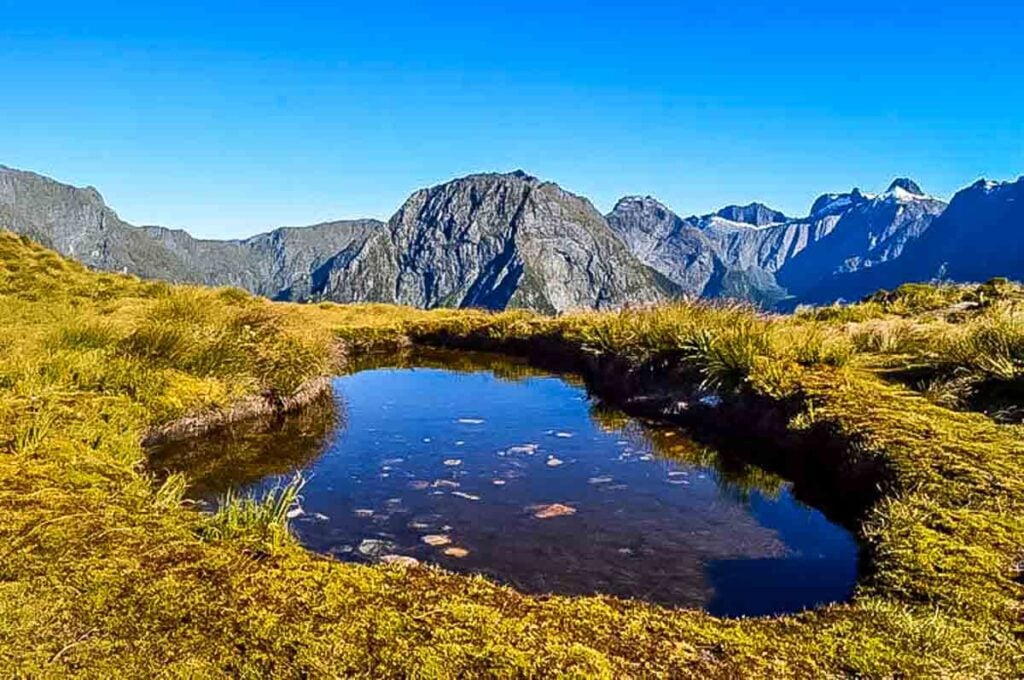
(511, 240)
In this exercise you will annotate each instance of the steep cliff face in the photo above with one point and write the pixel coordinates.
(843, 233)
(510, 240)
(497, 241)
(755, 214)
(284, 263)
(744, 252)
(979, 236)
(680, 250)
(673, 246)
(869, 232)
(77, 223)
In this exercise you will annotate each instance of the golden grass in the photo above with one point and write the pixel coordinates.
(105, 573)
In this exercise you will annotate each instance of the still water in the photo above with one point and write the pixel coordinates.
(482, 465)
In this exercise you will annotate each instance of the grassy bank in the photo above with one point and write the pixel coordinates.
(105, 573)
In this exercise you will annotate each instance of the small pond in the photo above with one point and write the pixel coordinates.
(482, 464)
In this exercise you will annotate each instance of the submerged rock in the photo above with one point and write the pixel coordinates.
(552, 510)
(525, 449)
(374, 547)
(554, 462)
(436, 540)
(400, 560)
(456, 552)
(447, 483)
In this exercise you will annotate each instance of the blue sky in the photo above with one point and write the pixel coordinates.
(232, 119)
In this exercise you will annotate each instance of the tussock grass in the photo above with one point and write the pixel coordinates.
(260, 521)
(104, 572)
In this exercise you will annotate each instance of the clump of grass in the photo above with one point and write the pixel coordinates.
(887, 336)
(726, 358)
(85, 334)
(916, 298)
(256, 521)
(991, 345)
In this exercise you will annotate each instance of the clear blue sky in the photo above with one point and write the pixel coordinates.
(232, 119)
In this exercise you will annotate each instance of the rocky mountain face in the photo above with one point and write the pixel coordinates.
(979, 236)
(765, 256)
(510, 240)
(491, 241)
(668, 243)
(756, 214)
(285, 263)
(497, 241)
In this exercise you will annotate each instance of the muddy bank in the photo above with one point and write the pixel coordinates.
(266, 405)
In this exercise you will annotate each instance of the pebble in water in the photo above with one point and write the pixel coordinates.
(374, 547)
(447, 483)
(400, 560)
(455, 551)
(436, 540)
(554, 462)
(526, 449)
(552, 510)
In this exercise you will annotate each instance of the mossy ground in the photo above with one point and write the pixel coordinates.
(104, 573)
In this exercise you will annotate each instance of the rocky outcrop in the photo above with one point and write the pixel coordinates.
(497, 241)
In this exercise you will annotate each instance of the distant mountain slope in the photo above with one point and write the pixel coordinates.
(745, 251)
(979, 236)
(76, 222)
(512, 240)
(756, 214)
(497, 241)
(668, 243)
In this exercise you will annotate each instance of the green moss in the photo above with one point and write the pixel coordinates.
(104, 572)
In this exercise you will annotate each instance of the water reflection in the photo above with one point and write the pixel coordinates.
(485, 464)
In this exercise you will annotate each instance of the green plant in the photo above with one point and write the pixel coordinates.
(262, 521)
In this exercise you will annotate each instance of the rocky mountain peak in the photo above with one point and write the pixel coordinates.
(497, 241)
(756, 214)
(906, 184)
